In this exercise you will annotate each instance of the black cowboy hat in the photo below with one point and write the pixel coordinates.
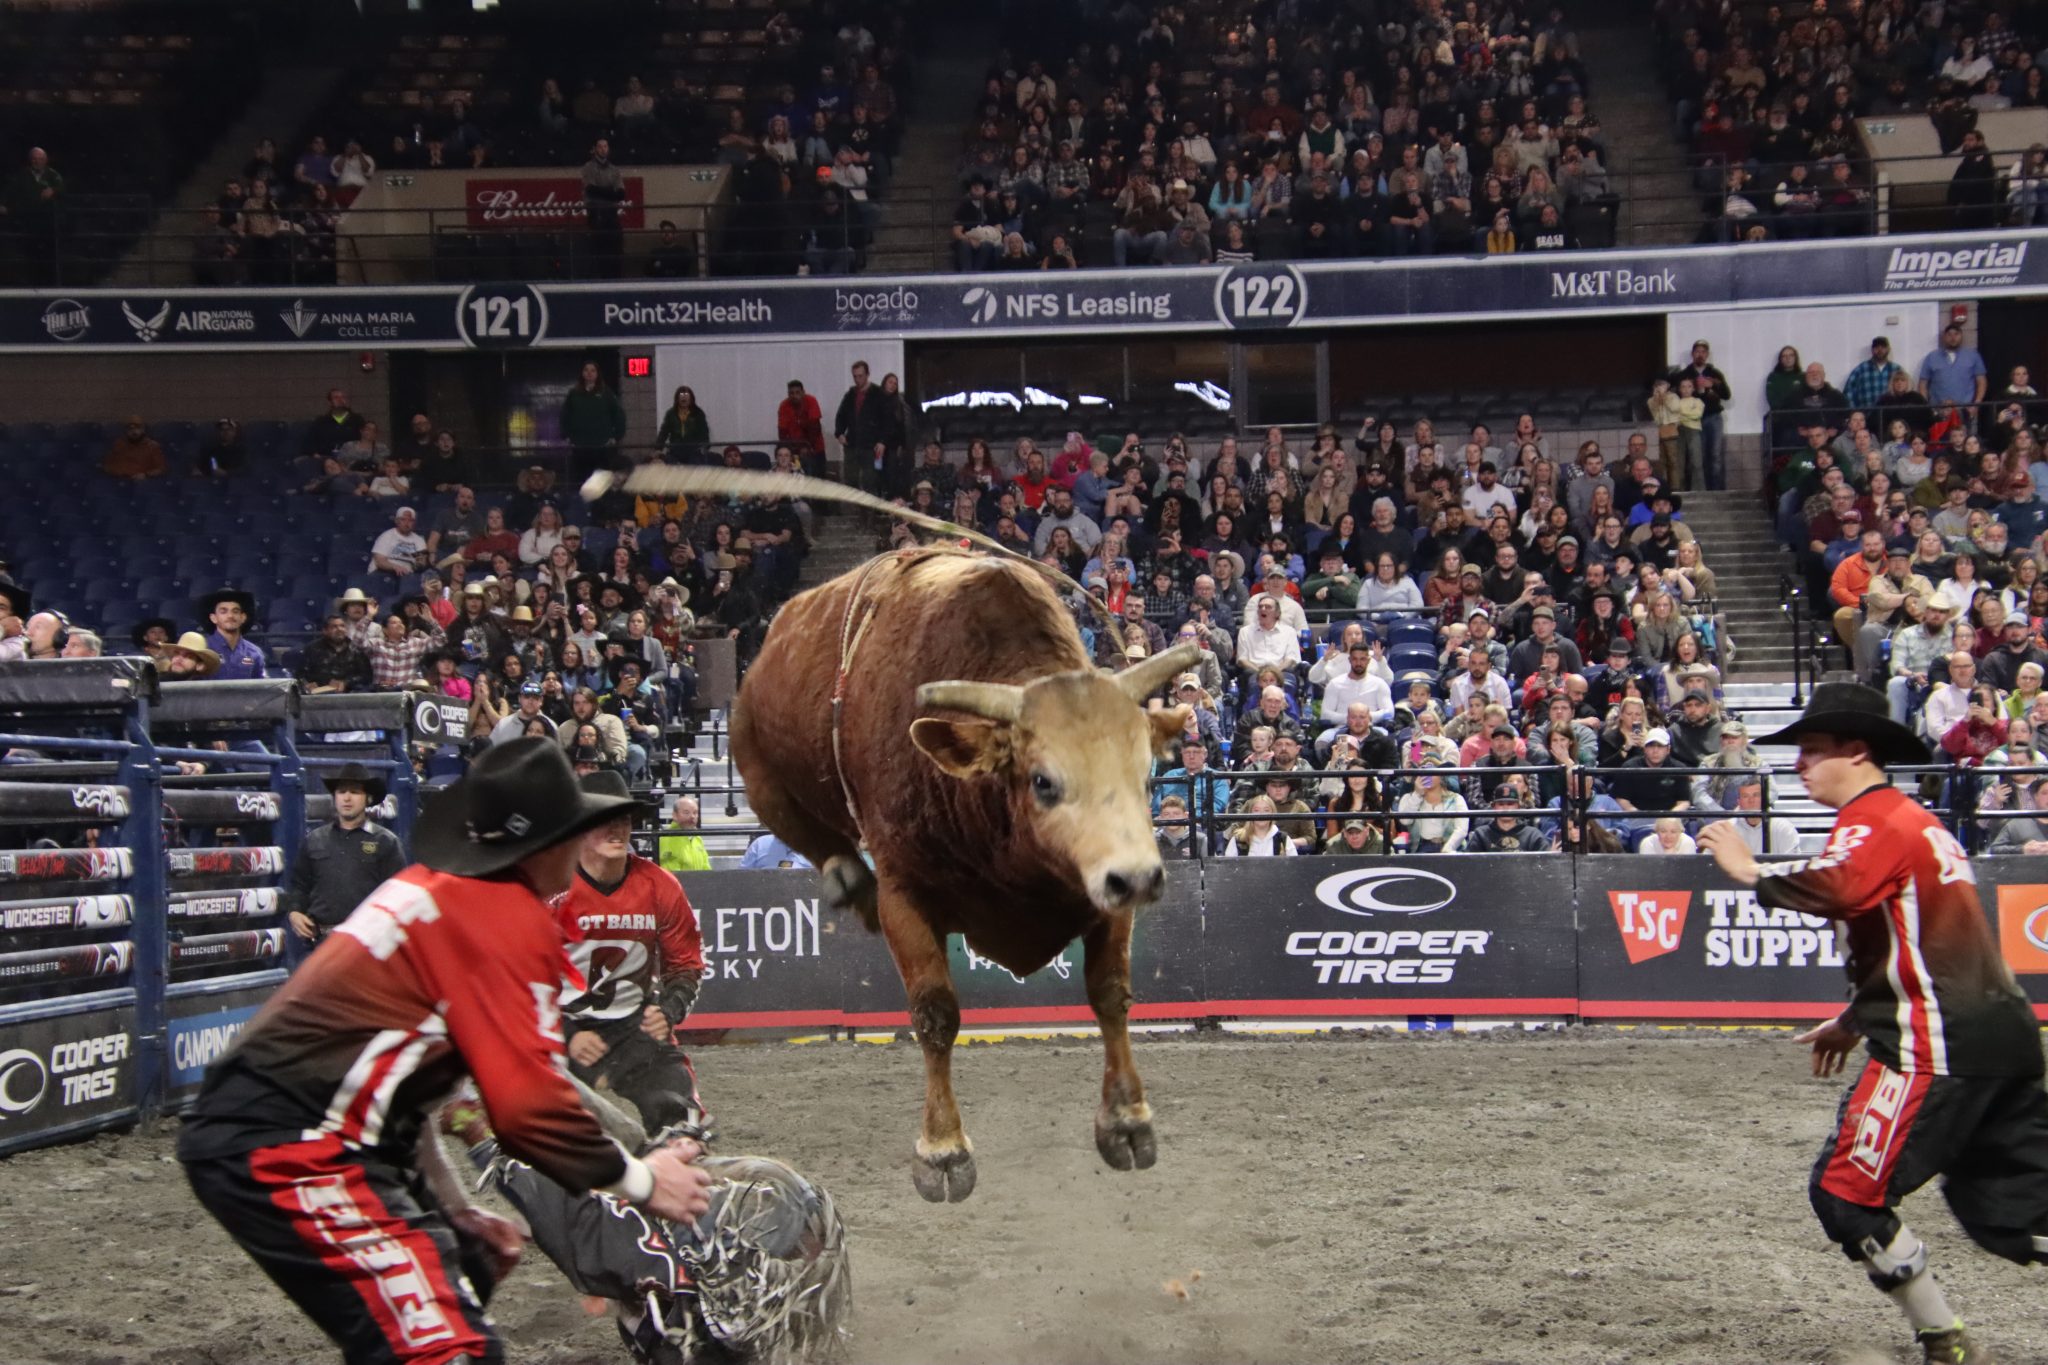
(611, 782)
(614, 667)
(143, 628)
(245, 600)
(372, 782)
(518, 798)
(1852, 711)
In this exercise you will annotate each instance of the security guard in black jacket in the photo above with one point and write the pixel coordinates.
(340, 863)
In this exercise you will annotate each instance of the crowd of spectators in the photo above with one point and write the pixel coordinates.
(1912, 500)
(1767, 99)
(1400, 635)
(806, 111)
(538, 611)
(1189, 137)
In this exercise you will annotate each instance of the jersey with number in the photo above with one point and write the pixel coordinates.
(636, 944)
(1928, 987)
(431, 978)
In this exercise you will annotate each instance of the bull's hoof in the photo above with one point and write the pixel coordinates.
(1124, 1137)
(943, 1175)
(850, 885)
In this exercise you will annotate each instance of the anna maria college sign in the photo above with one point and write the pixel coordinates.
(525, 203)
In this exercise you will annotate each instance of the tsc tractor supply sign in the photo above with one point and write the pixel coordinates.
(65, 1072)
(1669, 937)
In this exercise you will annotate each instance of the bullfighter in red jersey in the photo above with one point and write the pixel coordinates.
(1952, 1086)
(634, 938)
(308, 1140)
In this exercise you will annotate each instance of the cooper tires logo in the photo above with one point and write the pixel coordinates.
(1386, 891)
(22, 1082)
(981, 305)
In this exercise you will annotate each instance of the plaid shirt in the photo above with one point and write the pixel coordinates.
(394, 663)
(1867, 383)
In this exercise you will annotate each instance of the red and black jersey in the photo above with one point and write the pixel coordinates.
(1928, 987)
(432, 978)
(636, 944)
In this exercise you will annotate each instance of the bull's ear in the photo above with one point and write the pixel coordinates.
(1169, 723)
(963, 748)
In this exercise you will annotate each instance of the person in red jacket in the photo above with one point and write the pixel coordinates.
(1952, 1086)
(634, 939)
(308, 1141)
(800, 424)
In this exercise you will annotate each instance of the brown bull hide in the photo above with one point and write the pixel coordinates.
(1016, 817)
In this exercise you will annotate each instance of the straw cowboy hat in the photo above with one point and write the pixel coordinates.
(518, 798)
(193, 645)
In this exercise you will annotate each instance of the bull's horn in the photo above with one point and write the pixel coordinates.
(992, 701)
(1141, 680)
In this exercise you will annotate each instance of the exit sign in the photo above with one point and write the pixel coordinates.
(639, 367)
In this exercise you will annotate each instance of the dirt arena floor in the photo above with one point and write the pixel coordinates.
(1585, 1197)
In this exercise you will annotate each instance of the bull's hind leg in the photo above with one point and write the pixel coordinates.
(943, 1167)
(848, 883)
(1123, 1126)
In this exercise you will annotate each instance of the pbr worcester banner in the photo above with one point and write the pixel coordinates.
(1258, 297)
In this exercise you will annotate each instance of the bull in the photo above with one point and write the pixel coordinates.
(940, 710)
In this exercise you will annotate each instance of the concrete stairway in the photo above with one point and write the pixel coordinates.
(924, 189)
(286, 99)
(1737, 543)
(1648, 168)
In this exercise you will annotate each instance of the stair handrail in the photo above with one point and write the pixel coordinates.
(1792, 602)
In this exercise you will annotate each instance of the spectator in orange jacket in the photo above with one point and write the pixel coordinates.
(1850, 581)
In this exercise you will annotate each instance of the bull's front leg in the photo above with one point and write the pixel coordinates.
(943, 1166)
(1123, 1125)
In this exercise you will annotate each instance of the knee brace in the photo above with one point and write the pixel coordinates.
(1849, 1225)
(1894, 1264)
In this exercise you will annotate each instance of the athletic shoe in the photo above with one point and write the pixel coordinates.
(1948, 1346)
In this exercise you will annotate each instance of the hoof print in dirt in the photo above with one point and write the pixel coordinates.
(943, 1177)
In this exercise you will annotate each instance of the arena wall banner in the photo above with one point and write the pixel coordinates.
(64, 1073)
(1670, 938)
(2015, 895)
(1469, 935)
(204, 1024)
(1256, 297)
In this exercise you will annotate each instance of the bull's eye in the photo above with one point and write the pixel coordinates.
(1045, 788)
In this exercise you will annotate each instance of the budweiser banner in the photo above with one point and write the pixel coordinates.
(227, 862)
(67, 865)
(537, 203)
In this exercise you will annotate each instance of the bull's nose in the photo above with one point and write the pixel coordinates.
(1135, 886)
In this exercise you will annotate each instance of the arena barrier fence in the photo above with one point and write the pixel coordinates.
(128, 963)
(1425, 937)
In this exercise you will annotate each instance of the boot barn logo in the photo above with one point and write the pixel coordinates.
(2023, 927)
(538, 203)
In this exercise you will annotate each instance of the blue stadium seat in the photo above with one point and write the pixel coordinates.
(1404, 658)
(1409, 630)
